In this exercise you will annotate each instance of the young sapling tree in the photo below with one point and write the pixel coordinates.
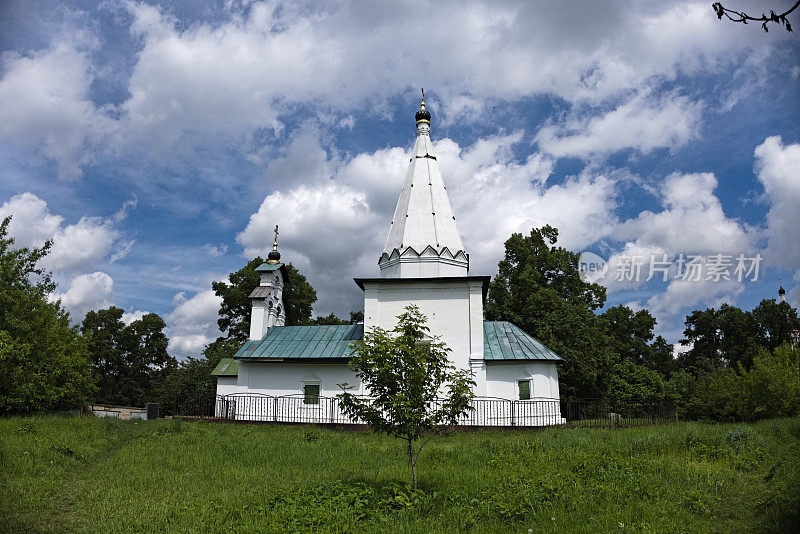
(414, 392)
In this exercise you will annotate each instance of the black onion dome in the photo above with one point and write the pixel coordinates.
(781, 291)
(274, 256)
(423, 114)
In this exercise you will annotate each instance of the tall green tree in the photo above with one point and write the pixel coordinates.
(148, 358)
(43, 360)
(405, 372)
(128, 362)
(775, 321)
(730, 337)
(702, 332)
(104, 333)
(539, 289)
(630, 335)
(234, 313)
(660, 357)
(738, 336)
(629, 332)
(191, 378)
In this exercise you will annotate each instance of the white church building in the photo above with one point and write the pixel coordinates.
(293, 373)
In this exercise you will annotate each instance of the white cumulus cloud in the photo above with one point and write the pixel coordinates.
(644, 122)
(778, 170)
(76, 247)
(192, 324)
(219, 83)
(692, 220)
(45, 108)
(92, 291)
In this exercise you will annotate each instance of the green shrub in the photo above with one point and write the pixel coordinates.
(718, 395)
(771, 388)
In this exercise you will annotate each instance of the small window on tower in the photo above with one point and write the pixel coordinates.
(524, 389)
(311, 394)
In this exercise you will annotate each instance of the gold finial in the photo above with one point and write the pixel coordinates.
(275, 243)
(423, 115)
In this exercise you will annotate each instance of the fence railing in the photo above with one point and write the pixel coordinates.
(484, 412)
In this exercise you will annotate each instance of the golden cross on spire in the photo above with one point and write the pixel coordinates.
(423, 97)
(275, 243)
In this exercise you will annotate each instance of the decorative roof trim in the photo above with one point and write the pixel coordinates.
(428, 254)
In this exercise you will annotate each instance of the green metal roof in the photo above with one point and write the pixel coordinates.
(505, 341)
(226, 367)
(501, 341)
(268, 267)
(295, 342)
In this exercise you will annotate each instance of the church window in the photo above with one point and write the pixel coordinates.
(524, 389)
(311, 394)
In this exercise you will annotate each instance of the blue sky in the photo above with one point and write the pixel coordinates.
(157, 144)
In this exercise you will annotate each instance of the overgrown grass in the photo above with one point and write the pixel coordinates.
(102, 475)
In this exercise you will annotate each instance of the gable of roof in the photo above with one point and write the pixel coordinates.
(303, 342)
(226, 367)
(505, 341)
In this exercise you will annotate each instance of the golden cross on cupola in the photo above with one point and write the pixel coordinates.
(274, 256)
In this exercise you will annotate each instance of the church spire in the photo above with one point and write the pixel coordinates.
(423, 239)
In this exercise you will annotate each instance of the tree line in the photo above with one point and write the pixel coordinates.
(49, 364)
(739, 365)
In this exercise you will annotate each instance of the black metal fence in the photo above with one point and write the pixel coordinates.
(485, 412)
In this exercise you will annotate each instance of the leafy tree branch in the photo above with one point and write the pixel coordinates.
(764, 19)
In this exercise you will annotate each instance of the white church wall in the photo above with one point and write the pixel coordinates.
(282, 378)
(258, 319)
(453, 313)
(502, 379)
(226, 385)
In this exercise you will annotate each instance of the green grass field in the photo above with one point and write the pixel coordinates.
(99, 475)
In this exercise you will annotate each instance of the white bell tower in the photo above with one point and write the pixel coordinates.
(268, 307)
